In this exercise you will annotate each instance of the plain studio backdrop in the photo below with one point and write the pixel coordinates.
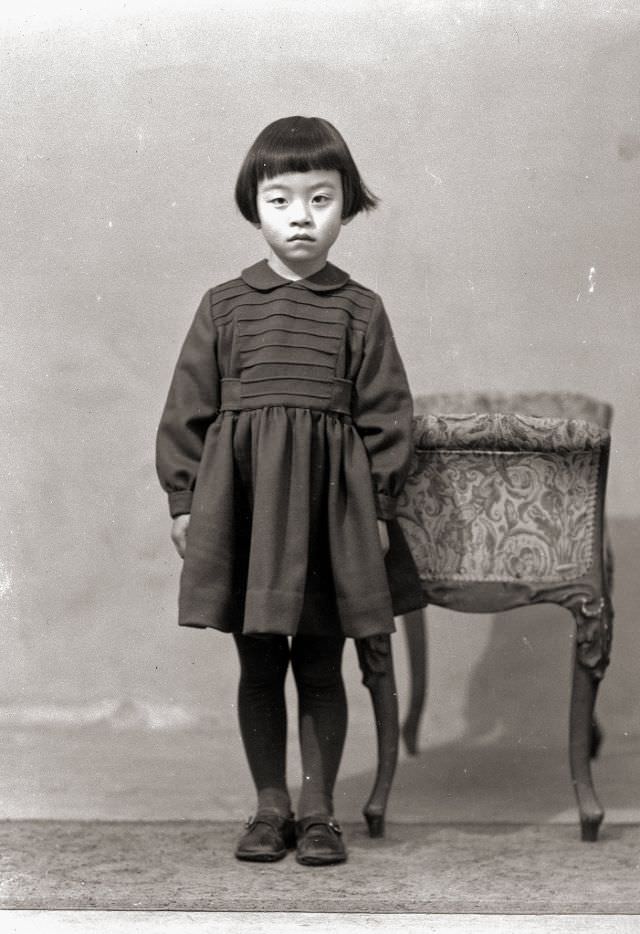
(504, 143)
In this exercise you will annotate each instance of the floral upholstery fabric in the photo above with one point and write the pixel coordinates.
(502, 497)
(507, 433)
(501, 516)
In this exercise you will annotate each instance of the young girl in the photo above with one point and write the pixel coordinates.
(283, 446)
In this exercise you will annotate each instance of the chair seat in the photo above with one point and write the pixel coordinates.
(540, 404)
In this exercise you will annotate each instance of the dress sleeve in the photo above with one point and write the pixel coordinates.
(382, 412)
(191, 406)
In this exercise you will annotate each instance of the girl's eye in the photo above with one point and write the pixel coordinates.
(277, 201)
(321, 199)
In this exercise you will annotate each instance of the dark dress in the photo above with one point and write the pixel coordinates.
(286, 433)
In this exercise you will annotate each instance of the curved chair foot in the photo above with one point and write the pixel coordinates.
(375, 822)
(589, 827)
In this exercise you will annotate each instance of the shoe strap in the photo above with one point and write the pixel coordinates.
(319, 820)
(275, 821)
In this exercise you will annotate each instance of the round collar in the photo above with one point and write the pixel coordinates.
(262, 277)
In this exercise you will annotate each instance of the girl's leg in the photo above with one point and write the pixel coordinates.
(263, 716)
(322, 705)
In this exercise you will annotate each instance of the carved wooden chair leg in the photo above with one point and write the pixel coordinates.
(593, 622)
(376, 664)
(583, 697)
(415, 628)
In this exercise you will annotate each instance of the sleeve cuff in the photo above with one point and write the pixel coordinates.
(386, 506)
(180, 502)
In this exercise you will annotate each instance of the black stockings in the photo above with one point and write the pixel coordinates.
(322, 713)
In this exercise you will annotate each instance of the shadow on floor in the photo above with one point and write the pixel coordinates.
(460, 782)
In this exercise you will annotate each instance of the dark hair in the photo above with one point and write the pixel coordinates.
(300, 144)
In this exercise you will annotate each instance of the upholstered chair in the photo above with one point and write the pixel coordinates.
(504, 508)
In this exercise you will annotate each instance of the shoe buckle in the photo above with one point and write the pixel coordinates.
(333, 823)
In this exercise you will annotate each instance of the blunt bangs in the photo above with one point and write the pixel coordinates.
(300, 144)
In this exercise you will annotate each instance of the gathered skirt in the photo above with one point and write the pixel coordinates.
(283, 536)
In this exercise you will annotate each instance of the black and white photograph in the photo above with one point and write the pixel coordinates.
(320, 466)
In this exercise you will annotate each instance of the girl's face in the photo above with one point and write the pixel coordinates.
(300, 218)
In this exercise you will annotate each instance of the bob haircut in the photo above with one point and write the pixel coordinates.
(300, 144)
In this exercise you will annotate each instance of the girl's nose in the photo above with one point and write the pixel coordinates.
(300, 213)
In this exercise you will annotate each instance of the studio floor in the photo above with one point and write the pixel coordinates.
(477, 833)
(424, 868)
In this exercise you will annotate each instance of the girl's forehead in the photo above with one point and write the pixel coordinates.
(302, 180)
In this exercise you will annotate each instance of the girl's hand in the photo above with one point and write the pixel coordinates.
(384, 536)
(179, 533)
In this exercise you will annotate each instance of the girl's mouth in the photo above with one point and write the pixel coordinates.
(300, 237)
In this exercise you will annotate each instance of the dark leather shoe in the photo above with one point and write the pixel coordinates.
(268, 837)
(320, 841)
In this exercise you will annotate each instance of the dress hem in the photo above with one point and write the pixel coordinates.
(364, 635)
